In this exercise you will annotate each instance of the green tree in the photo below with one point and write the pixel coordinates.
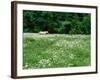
(56, 22)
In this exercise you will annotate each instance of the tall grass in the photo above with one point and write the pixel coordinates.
(55, 50)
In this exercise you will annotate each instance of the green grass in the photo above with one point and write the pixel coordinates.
(55, 50)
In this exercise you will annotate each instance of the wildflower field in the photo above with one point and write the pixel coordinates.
(55, 50)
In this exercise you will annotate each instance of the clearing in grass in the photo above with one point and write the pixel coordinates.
(55, 50)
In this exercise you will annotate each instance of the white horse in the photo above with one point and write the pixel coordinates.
(43, 32)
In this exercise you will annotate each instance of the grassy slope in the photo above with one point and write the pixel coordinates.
(57, 50)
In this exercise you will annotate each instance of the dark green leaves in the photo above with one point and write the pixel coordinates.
(56, 22)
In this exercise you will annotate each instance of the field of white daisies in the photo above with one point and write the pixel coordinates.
(55, 50)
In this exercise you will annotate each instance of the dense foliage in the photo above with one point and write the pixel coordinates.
(56, 22)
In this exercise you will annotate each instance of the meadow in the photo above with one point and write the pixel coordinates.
(55, 50)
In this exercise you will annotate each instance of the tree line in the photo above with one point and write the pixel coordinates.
(56, 22)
